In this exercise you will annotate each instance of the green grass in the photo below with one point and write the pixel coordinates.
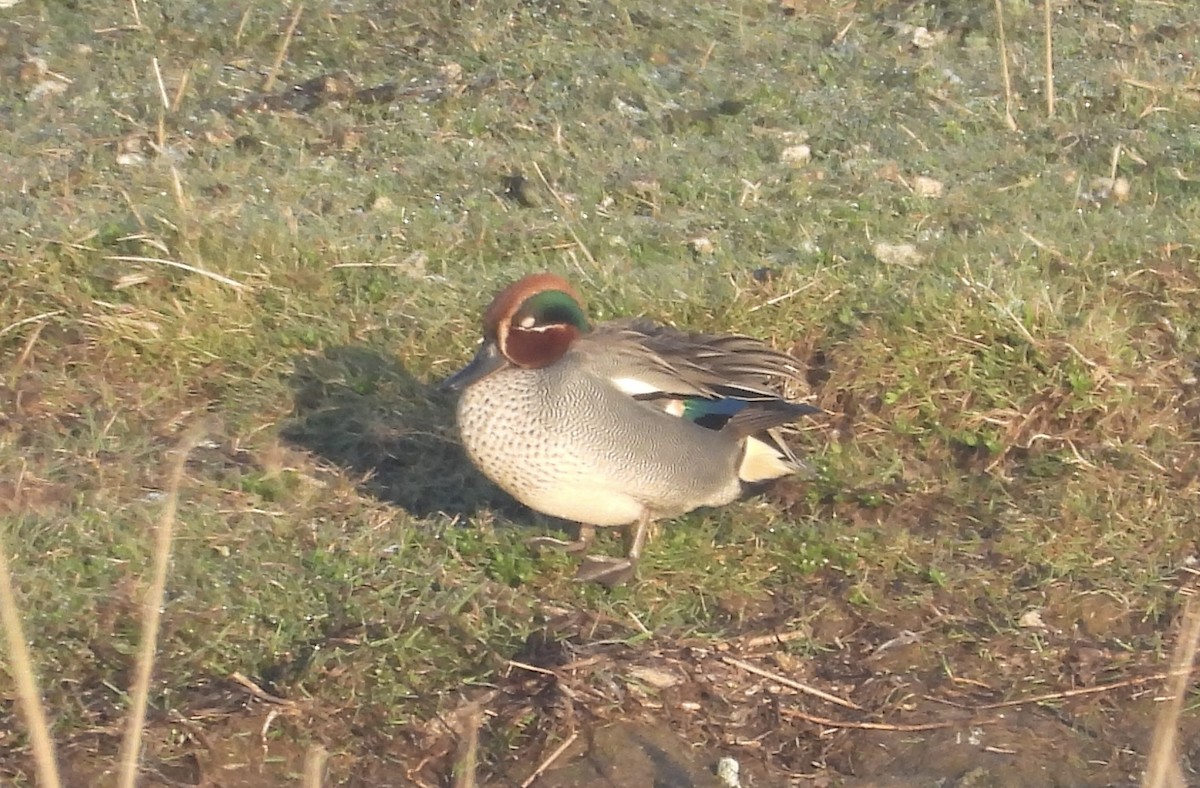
(1012, 417)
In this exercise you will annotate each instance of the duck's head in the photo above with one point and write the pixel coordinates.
(529, 324)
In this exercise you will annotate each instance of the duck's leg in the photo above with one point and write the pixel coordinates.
(612, 572)
(587, 533)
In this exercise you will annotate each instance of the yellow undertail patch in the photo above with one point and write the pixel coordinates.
(762, 462)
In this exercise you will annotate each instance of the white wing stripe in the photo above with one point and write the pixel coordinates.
(634, 387)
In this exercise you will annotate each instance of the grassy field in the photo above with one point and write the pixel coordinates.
(278, 231)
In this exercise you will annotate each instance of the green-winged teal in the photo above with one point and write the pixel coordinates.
(618, 423)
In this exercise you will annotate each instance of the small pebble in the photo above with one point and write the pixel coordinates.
(795, 155)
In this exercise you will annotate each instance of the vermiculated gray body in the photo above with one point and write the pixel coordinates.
(575, 446)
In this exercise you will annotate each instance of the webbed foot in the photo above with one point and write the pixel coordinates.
(605, 570)
(611, 572)
(587, 534)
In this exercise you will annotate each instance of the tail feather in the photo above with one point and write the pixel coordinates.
(761, 416)
(765, 455)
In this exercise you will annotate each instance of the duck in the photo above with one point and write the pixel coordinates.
(619, 423)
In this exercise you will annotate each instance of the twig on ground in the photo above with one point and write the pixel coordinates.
(775, 638)
(1075, 693)
(881, 726)
(785, 681)
(257, 691)
(532, 668)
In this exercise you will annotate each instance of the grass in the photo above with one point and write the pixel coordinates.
(1013, 400)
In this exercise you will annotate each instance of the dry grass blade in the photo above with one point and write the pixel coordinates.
(466, 759)
(1162, 769)
(162, 85)
(314, 766)
(269, 83)
(180, 90)
(127, 258)
(566, 210)
(28, 695)
(27, 348)
(152, 611)
(1008, 92)
(27, 320)
(550, 759)
(1048, 9)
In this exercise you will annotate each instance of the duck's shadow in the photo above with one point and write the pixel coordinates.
(363, 411)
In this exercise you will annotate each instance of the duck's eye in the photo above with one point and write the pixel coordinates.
(529, 321)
